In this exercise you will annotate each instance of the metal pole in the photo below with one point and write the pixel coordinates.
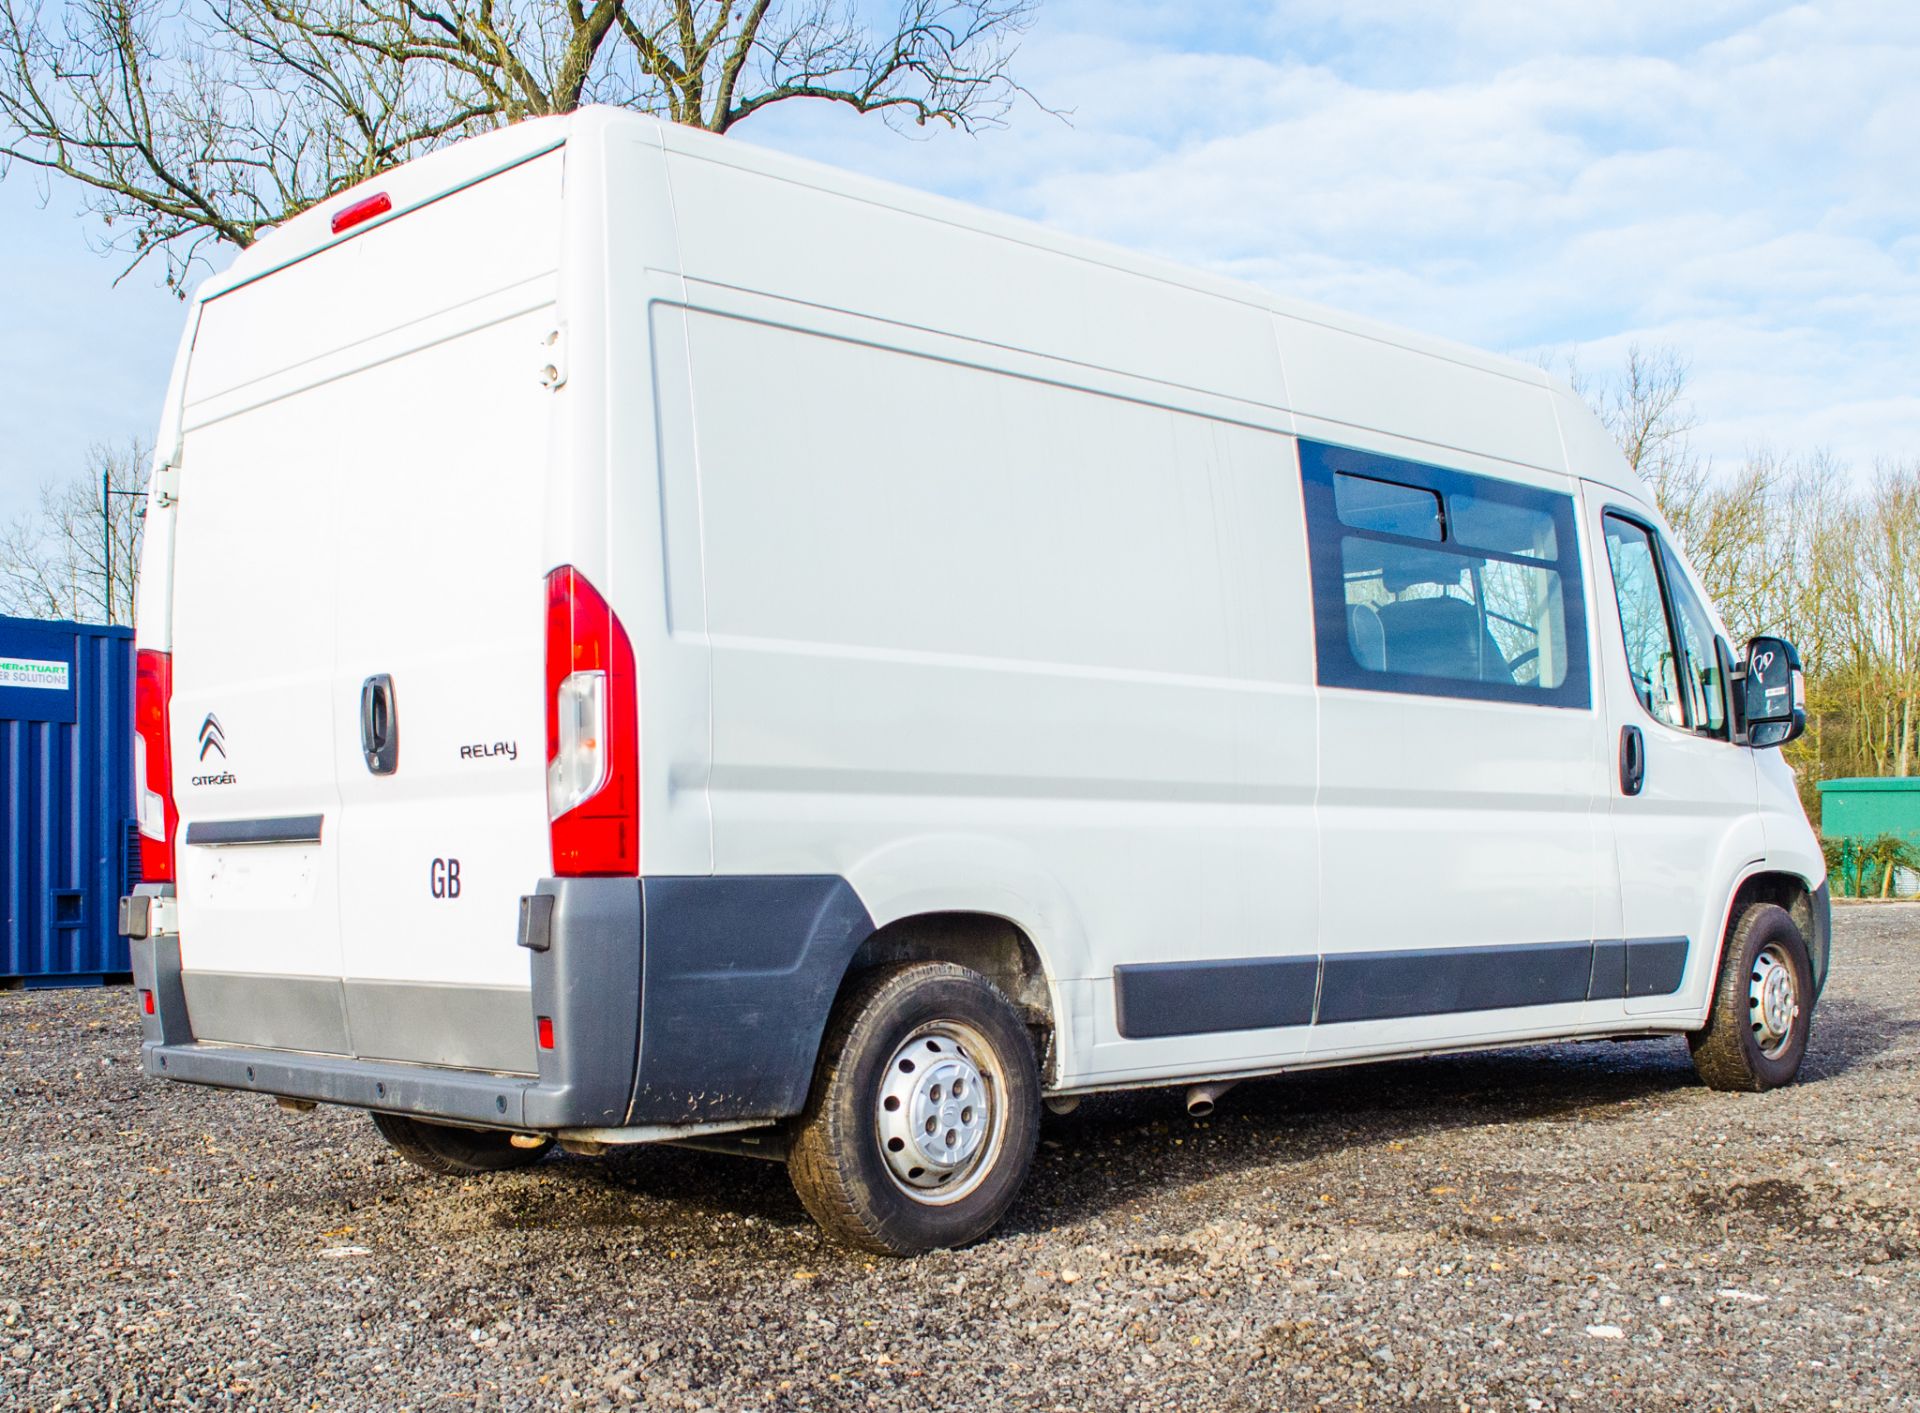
(106, 539)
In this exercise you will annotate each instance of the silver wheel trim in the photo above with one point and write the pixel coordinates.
(1773, 1001)
(939, 1145)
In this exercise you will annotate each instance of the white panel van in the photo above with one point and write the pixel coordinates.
(642, 638)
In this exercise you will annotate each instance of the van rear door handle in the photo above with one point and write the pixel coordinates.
(379, 725)
(1633, 760)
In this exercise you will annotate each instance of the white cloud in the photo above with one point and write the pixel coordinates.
(1734, 177)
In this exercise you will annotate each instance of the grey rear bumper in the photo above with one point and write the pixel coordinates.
(673, 1001)
(586, 981)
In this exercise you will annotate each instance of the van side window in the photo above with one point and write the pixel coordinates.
(1700, 675)
(1367, 504)
(1652, 663)
(1441, 583)
(1670, 640)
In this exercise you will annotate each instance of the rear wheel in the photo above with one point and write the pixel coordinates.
(1756, 1035)
(924, 1112)
(455, 1152)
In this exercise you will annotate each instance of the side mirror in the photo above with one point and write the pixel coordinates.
(1772, 693)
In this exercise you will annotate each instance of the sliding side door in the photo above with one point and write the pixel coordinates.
(1465, 863)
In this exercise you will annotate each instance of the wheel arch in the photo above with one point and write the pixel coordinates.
(997, 947)
(1807, 903)
(984, 901)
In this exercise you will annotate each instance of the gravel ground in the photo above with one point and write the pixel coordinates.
(1567, 1226)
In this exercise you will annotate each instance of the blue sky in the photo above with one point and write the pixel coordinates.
(1737, 178)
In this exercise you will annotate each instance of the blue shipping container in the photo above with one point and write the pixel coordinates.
(66, 785)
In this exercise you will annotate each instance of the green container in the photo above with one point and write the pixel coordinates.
(1867, 807)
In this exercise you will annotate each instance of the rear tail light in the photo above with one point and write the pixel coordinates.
(545, 1028)
(593, 733)
(153, 764)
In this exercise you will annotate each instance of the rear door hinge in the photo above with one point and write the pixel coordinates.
(553, 358)
(144, 914)
(166, 485)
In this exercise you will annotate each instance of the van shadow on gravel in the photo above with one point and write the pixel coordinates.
(1134, 1147)
(1850, 1034)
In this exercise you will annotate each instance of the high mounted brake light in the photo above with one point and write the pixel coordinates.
(365, 209)
(153, 764)
(593, 733)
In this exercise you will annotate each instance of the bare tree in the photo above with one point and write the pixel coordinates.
(1647, 409)
(190, 121)
(54, 562)
(1720, 518)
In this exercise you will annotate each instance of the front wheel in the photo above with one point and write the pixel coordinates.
(924, 1112)
(1756, 1034)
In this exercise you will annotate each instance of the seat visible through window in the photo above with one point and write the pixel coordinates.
(1443, 637)
(1367, 638)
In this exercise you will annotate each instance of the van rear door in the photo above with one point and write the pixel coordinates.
(360, 601)
(257, 853)
(441, 604)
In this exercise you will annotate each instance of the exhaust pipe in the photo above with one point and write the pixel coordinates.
(1201, 1098)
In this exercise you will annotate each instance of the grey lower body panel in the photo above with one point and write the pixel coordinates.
(277, 1012)
(467, 1027)
(463, 1027)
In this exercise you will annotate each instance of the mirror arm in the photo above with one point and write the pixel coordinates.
(1735, 676)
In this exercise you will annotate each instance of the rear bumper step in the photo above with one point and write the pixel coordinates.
(486, 1100)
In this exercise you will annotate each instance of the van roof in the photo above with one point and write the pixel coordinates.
(408, 186)
(461, 164)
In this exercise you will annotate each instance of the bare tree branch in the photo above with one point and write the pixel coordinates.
(53, 562)
(184, 121)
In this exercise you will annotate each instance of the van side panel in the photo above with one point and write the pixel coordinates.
(975, 627)
(1369, 385)
(839, 251)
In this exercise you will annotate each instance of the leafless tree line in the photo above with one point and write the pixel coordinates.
(190, 122)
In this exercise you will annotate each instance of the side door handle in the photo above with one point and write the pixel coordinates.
(1633, 760)
(379, 725)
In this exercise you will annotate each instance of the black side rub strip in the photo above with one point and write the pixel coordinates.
(1259, 993)
(287, 829)
(1359, 986)
(1199, 998)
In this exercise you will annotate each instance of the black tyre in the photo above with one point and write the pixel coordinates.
(924, 1112)
(455, 1152)
(1756, 1034)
